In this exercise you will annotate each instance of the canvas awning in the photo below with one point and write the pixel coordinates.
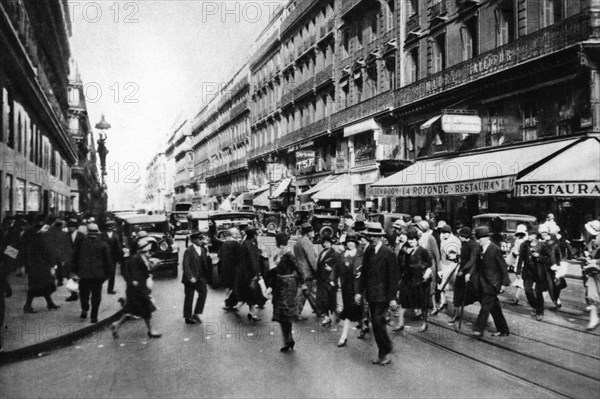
(262, 200)
(430, 122)
(340, 190)
(572, 172)
(364, 126)
(239, 200)
(321, 185)
(480, 173)
(281, 187)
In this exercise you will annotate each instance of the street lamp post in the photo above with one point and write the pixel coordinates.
(270, 162)
(102, 126)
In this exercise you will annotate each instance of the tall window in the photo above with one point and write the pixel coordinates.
(359, 89)
(438, 53)
(551, 12)
(358, 30)
(390, 67)
(373, 29)
(469, 39)
(412, 66)
(345, 43)
(391, 14)
(505, 23)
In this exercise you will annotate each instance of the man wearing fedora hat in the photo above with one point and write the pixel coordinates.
(196, 269)
(116, 252)
(491, 274)
(76, 238)
(379, 283)
(304, 251)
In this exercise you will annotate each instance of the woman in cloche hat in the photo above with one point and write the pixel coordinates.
(136, 272)
(348, 270)
(415, 264)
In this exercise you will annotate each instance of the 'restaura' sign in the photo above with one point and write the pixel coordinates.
(578, 189)
(458, 188)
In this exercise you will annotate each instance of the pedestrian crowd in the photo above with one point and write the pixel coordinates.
(368, 276)
(378, 278)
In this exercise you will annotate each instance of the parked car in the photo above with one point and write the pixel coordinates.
(386, 219)
(164, 252)
(271, 221)
(504, 224)
(198, 220)
(325, 224)
(301, 217)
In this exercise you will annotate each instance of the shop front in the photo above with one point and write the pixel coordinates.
(457, 188)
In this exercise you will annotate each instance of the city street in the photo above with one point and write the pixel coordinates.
(227, 356)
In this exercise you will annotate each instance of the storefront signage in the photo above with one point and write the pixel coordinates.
(583, 189)
(305, 154)
(336, 204)
(465, 124)
(444, 189)
(365, 177)
(301, 145)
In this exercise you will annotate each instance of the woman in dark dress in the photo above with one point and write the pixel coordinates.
(136, 272)
(415, 273)
(247, 287)
(347, 269)
(326, 281)
(284, 280)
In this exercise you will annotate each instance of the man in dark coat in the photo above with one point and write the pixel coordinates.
(247, 286)
(59, 243)
(93, 268)
(379, 282)
(490, 274)
(39, 261)
(230, 254)
(196, 269)
(469, 254)
(304, 251)
(116, 252)
(76, 238)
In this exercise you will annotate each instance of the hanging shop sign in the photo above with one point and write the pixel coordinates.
(580, 189)
(465, 124)
(365, 177)
(459, 188)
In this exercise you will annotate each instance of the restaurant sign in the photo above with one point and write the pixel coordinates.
(434, 190)
(579, 189)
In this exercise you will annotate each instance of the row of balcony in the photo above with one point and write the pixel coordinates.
(294, 16)
(373, 46)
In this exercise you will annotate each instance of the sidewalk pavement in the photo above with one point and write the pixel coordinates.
(26, 335)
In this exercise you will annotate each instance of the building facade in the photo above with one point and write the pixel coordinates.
(344, 95)
(86, 191)
(36, 151)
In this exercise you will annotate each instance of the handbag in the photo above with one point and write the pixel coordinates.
(263, 287)
(257, 292)
(72, 285)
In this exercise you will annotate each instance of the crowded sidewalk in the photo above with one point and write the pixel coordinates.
(26, 333)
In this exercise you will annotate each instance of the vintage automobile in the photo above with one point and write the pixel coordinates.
(216, 222)
(271, 221)
(164, 253)
(301, 217)
(325, 224)
(198, 220)
(178, 218)
(504, 224)
(386, 219)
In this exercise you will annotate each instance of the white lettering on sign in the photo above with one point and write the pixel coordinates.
(579, 189)
(431, 190)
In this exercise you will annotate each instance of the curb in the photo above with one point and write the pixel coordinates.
(38, 349)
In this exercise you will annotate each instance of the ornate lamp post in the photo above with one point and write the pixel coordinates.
(270, 162)
(102, 126)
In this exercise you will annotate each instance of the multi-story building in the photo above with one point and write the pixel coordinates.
(85, 186)
(451, 102)
(36, 151)
(156, 183)
(220, 140)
